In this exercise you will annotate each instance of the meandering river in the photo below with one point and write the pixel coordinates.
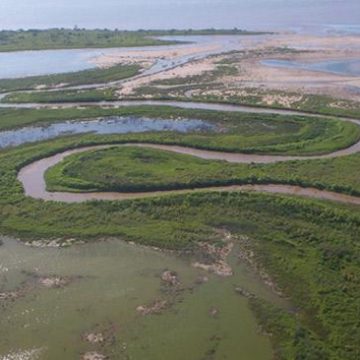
(64, 303)
(33, 181)
(32, 175)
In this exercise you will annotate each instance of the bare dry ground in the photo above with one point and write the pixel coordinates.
(251, 75)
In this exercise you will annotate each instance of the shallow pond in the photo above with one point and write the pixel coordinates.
(31, 63)
(339, 67)
(109, 125)
(20, 64)
(107, 282)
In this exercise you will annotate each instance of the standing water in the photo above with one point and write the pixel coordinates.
(110, 125)
(91, 298)
(340, 67)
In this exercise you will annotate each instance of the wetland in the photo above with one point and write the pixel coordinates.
(171, 194)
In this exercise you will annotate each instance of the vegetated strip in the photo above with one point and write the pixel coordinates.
(85, 77)
(241, 131)
(105, 38)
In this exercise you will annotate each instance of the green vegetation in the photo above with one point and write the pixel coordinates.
(310, 247)
(318, 104)
(93, 76)
(62, 96)
(132, 169)
(81, 38)
(73, 39)
(235, 132)
(88, 77)
(313, 104)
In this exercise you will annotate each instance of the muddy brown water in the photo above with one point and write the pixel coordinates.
(33, 181)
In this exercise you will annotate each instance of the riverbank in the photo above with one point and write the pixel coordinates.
(258, 131)
(256, 216)
(59, 177)
(230, 69)
(217, 216)
(59, 81)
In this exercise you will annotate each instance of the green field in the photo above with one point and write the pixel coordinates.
(86, 77)
(132, 169)
(233, 132)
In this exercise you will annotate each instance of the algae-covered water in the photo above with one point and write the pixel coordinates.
(104, 284)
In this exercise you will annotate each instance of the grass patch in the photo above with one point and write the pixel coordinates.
(92, 76)
(318, 104)
(313, 104)
(132, 169)
(209, 87)
(62, 96)
(235, 132)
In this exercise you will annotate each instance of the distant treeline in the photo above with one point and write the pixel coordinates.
(13, 40)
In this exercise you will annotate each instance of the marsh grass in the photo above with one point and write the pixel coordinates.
(310, 248)
(235, 132)
(85, 77)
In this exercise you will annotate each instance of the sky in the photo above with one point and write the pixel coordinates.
(135, 14)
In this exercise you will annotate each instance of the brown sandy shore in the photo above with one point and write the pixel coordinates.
(253, 74)
(247, 55)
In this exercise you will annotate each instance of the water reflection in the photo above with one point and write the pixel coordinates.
(110, 125)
